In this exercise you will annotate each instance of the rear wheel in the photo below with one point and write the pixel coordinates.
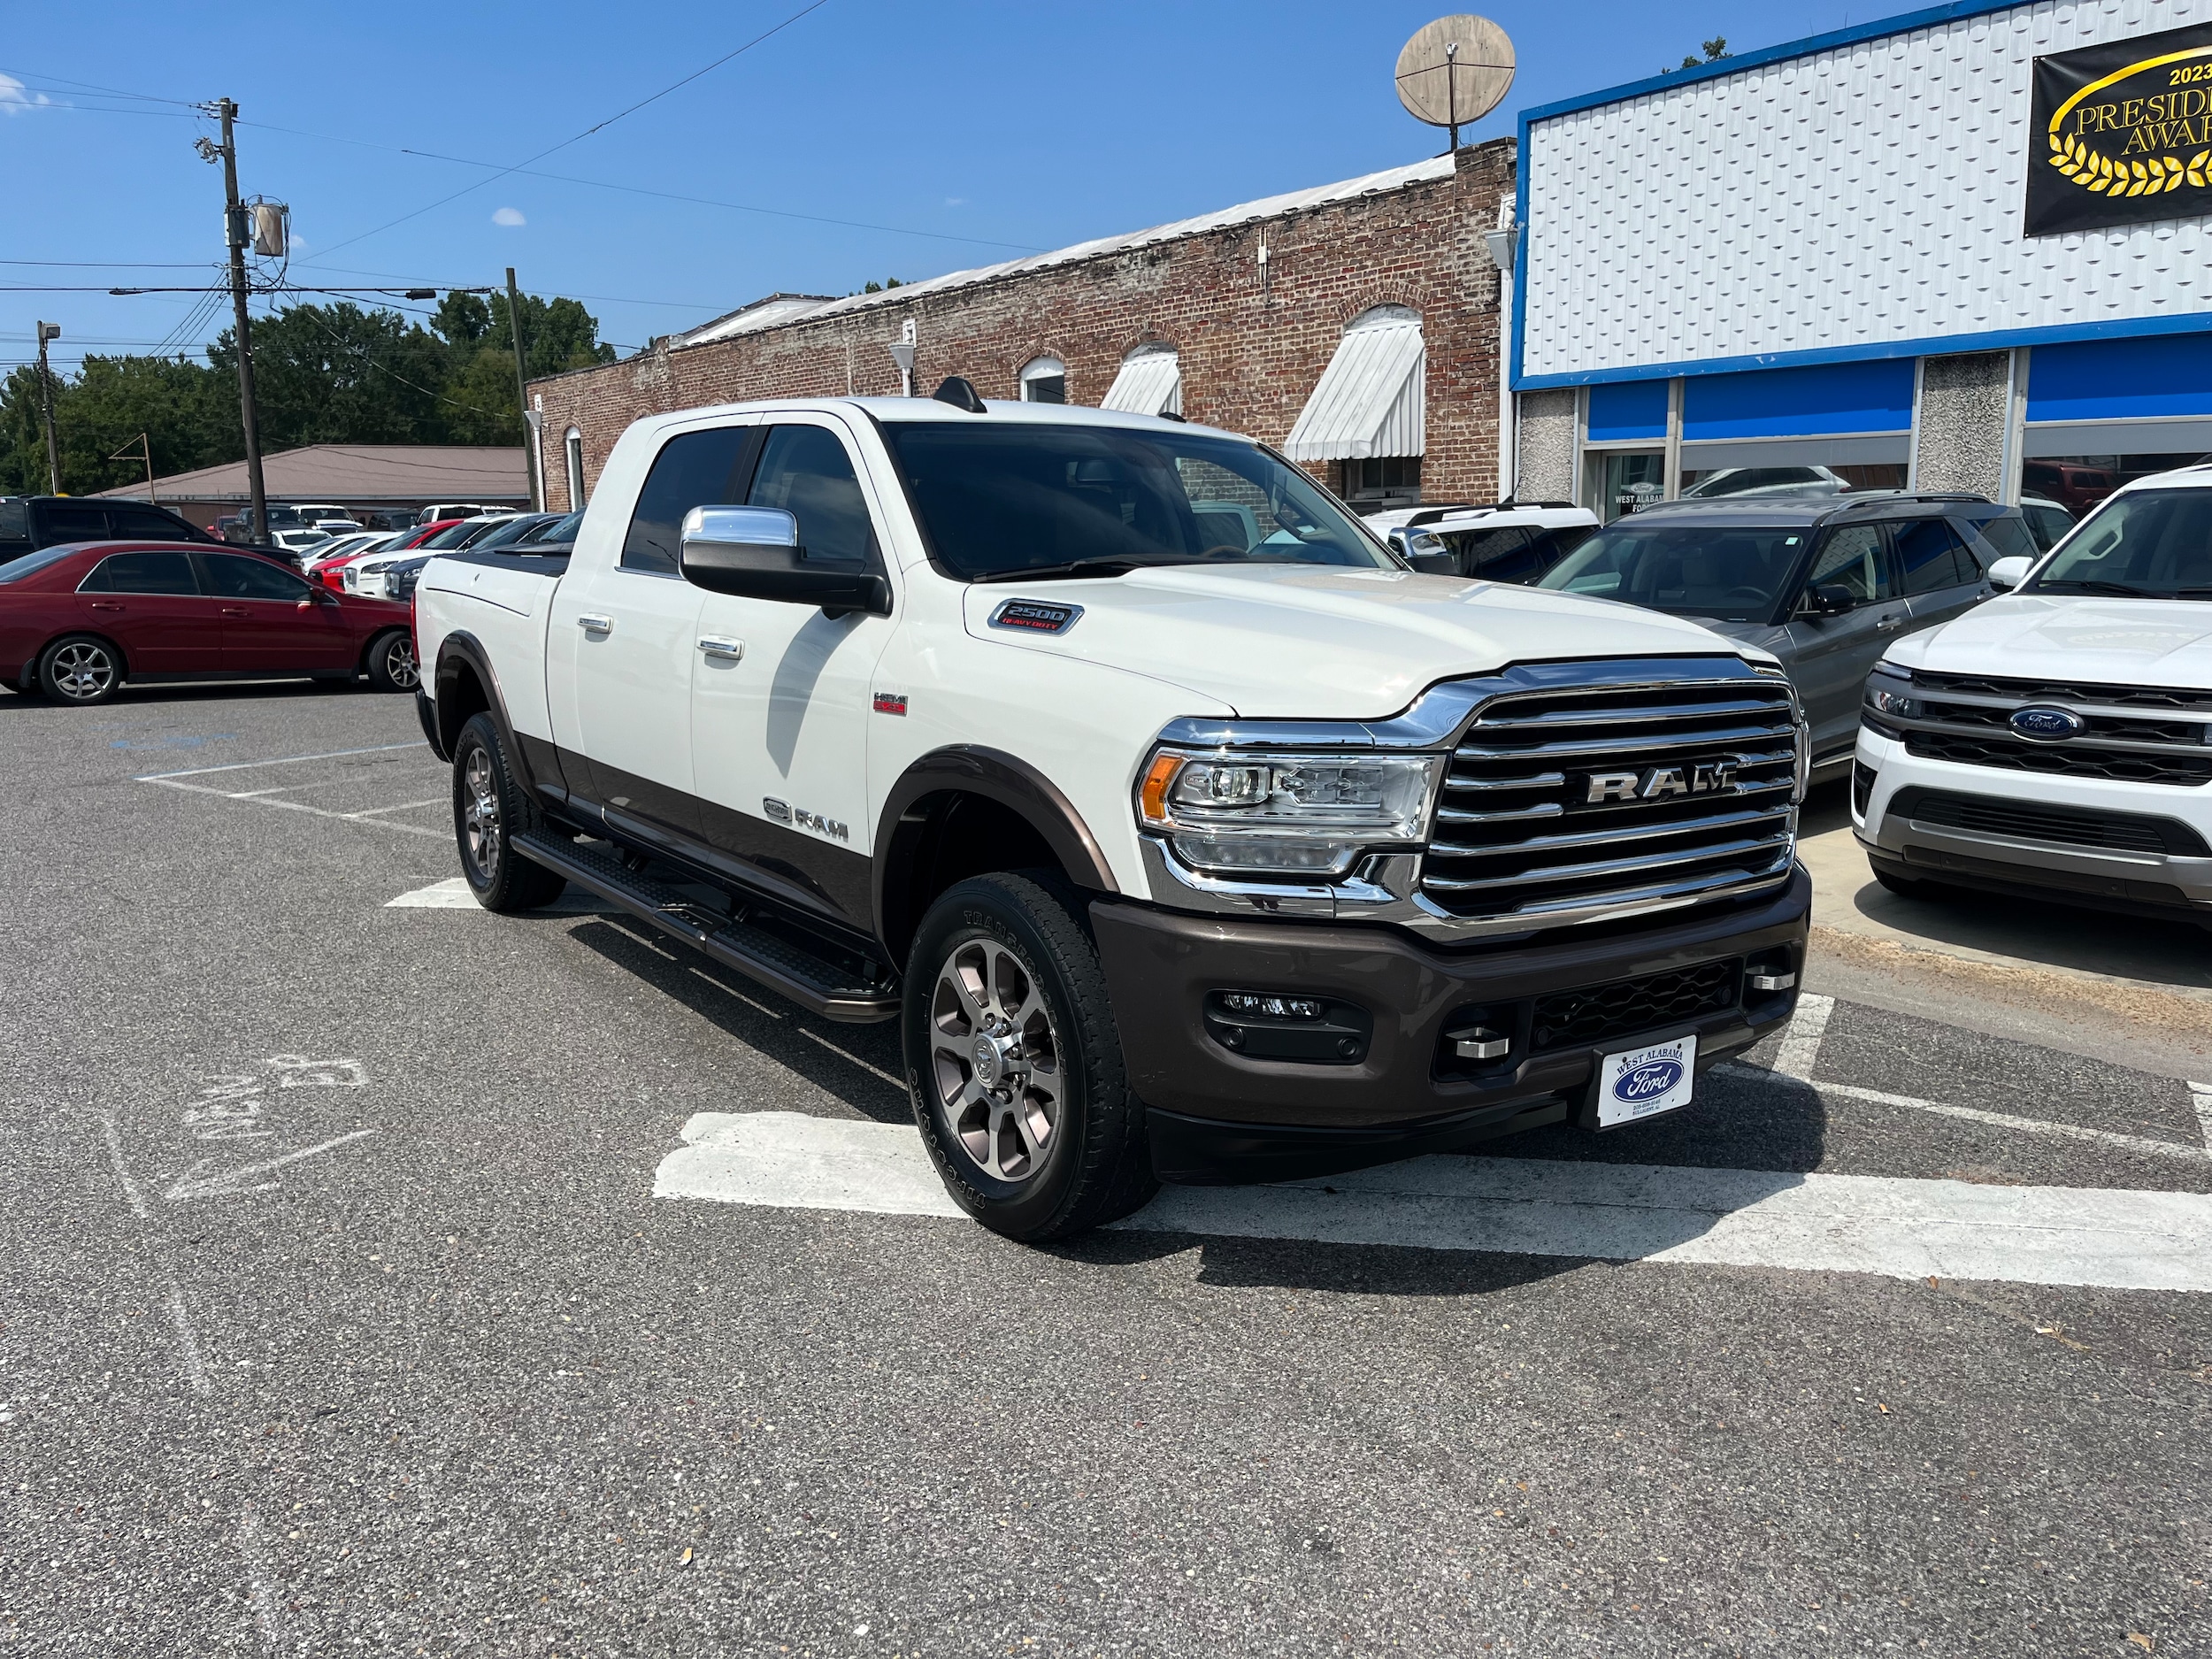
(1904, 886)
(489, 808)
(80, 668)
(392, 665)
(1013, 1064)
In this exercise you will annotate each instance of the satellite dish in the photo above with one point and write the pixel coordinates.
(1455, 71)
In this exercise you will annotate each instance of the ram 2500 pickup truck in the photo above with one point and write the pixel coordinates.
(1188, 834)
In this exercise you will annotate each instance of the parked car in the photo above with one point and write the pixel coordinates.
(295, 543)
(30, 522)
(2055, 744)
(332, 572)
(1823, 582)
(2048, 522)
(2076, 489)
(1496, 544)
(1768, 480)
(1382, 520)
(555, 538)
(439, 512)
(78, 620)
(1175, 855)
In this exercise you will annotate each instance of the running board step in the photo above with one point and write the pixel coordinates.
(809, 980)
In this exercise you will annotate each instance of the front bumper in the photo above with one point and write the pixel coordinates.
(2174, 882)
(1217, 1115)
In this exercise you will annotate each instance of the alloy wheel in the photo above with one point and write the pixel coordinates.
(82, 671)
(995, 1061)
(400, 663)
(480, 814)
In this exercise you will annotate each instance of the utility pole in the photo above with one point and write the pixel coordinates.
(522, 393)
(46, 332)
(234, 234)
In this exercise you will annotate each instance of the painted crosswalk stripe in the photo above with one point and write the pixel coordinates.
(1632, 1212)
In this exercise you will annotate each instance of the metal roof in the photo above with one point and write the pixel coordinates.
(761, 313)
(362, 474)
(1149, 383)
(1369, 401)
(1436, 167)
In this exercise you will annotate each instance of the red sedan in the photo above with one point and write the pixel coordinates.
(79, 620)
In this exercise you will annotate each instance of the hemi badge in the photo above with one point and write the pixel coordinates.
(1035, 616)
(890, 703)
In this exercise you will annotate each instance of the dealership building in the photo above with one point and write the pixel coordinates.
(1962, 248)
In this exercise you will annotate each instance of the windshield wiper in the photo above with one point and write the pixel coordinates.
(1116, 565)
(2090, 586)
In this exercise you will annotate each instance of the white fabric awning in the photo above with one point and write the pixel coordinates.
(1148, 384)
(1370, 399)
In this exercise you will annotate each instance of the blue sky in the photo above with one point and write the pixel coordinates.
(1014, 126)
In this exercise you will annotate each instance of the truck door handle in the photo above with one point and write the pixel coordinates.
(595, 625)
(723, 650)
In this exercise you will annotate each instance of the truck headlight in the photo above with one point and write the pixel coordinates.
(1889, 691)
(1294, 814)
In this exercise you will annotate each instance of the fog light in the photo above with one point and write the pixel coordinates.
(1480, 1043)
(1771, 982)
(1260, 1005)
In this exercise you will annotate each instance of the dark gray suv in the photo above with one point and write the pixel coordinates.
(1825, 582)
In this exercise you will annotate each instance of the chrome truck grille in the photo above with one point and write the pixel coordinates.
(1625, 786)
(2127, 733)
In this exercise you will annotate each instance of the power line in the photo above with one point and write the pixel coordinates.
(113, 92)
(813, 5)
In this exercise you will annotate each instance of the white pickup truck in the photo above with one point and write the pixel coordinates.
(1189, 834)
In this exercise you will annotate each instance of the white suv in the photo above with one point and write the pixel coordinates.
(2056, 741)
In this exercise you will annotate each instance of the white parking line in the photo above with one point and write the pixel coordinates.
(453, 894)
(1801, 1041)
(1898, 1229)
(286, 760)
(2201, 1097)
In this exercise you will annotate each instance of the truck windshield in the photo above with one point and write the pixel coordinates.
(1732, 572)
(2154, 542)
(1000, 500)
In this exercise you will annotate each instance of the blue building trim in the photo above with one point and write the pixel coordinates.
(1904, 23)
(2122, 380)
(1628, 411)
(1936, 345)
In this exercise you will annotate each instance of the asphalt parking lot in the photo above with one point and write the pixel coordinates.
(386, 1276)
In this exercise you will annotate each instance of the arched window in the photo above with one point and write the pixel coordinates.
(574, 445)
(1150, 382)
(1044, 380)
(1368, 411)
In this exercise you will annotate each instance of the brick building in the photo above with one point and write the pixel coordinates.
(1355, 324)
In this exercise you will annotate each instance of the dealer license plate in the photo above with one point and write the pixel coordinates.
(1644, 1082)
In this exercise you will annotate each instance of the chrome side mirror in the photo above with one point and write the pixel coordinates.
(754, 553)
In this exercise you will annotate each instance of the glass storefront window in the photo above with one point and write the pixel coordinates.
(1805, 479)
(2078, 482)
(1623, 481)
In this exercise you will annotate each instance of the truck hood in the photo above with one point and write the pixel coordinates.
(1291, 641)
(2110, 642)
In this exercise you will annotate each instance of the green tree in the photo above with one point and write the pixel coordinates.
(181, 406)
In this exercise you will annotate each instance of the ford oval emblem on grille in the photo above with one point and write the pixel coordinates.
(2047, 726)
(1647, 1082)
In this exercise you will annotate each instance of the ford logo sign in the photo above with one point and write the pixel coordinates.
(2047, 726)
(1647, 1082)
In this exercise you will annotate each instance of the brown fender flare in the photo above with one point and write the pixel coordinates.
(994, 775)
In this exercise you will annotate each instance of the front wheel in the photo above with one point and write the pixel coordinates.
(489, 807)
(1014, 1065)
(392, 665)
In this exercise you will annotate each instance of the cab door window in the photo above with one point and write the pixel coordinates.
(1931, 557)
(149, 524)
(1852, 558)
(63, 523)
(805, 471)
(694, 469)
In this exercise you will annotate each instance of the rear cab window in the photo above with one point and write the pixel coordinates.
(694, 469)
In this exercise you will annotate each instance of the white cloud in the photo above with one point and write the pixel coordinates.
(15, 101)
(955, 200)
(510, 216)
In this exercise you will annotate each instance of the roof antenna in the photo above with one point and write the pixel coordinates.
(960, 395)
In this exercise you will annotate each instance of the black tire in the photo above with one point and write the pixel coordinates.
(391, 661)
(81, 669)
(1054, 1175)
(1905, 886)
(489, 809)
